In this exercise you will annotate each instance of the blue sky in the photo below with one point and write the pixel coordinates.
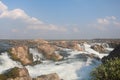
(59, 19)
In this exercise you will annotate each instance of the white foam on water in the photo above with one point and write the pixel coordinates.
(89, 50)
(109, 49)
(7, 63)
(72, 68)
(36, 55)
(67, 69)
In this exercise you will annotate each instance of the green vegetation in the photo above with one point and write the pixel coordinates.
(12, 73)
(107, 71)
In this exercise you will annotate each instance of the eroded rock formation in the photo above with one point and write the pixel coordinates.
(70, 45)
(98, 48)
(52, 76)
(21, 53)
(49, 52)
(22, 74)
(16, 74)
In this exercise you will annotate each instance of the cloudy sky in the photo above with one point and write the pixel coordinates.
(59, 19)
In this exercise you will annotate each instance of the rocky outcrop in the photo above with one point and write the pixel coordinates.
(52, 76)
(98, 48)
(75, 46)
(22, 74)
(113, 54)
(70, 45)
(21, 53)
(56, 57)
(49, 52)
(16, 74)
(40, 41)
(62, 44)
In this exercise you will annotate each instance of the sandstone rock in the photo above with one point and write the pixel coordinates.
(75, 46)
(70, 45)
(52, 76)
(40, 41)
(98, 48)
(46, 49)
(21, 53)
(17, 74)
(49, 52)
(56, 57)
(20, 78)
(62, 44)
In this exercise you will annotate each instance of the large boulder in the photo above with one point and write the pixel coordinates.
(52, 76)
(70, 45)
(49, 52)
(16, 74)
(62, 44)
(21, 53)
(99, 48)
(113, 54)
(75, 46)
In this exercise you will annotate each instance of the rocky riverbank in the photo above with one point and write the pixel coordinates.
(39, 55)
(23, 74)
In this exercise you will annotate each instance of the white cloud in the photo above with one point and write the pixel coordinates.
(75, 29)
(50, 27)
(3, 7)
(14, 30)
(27, 21)
(116, 23)
(103, 29)
(111, 17)
(103, 21)
(107, 20)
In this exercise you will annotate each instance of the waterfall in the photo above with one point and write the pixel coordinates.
(6, 62)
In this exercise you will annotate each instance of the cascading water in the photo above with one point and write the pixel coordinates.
(7, 63)
(74, 66)
(36, 55)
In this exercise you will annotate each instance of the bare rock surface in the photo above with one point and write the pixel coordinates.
(16, 74)
(49, 52)
(21, 53)
(98, 48)
(52, 76)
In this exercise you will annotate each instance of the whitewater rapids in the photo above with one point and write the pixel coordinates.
(73, 67)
